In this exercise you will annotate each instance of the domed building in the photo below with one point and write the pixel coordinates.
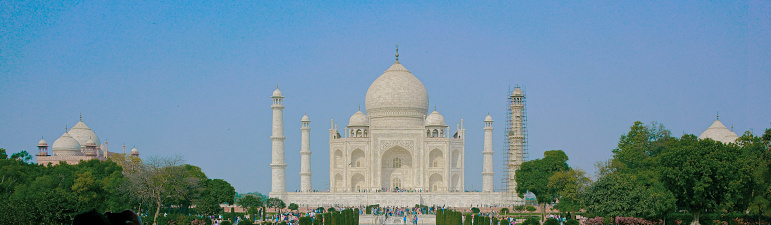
(718, 132)
(75, 144)
(395, 153)
(395, 146)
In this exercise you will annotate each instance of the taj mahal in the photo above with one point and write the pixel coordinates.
(396, 153)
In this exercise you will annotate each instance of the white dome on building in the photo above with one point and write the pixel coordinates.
(42, 142)
(435, 119)
(277, 93)
(66, 145)
(517, 92)
(488, 118)
(358, 119)
(397, 90)
(718, 132)
(134, 151)
(82, 133)
(305, 119)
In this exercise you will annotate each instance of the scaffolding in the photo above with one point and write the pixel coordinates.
(516, 129)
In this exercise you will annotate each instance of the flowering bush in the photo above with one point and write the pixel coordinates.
(594, 221)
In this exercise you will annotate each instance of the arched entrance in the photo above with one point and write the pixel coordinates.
(396, 169)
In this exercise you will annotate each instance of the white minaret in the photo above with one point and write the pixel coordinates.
(305, 155)
(516, 136)
(278, 164)
(487, 163)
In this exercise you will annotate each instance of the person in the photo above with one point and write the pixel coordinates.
(90, 217)
(125, 217)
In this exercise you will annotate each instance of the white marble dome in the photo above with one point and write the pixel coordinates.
(517, 92)
(358, 119)
(397, 90)
(435, 119)
(277, 93)
(134, 151)
(66, 145)
(305, 119)
(488, 118)
(42, 142)
(82, 133)
(718, 132)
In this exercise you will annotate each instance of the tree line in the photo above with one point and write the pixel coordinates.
(658, 178)
(54, 194)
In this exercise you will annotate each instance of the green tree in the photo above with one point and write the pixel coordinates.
(621, 194)
(22, 156)
(161, 180)
(533, 176)
(568, 185)
(250, 203)
(293, 206)
(276, 204)
(703, 175)
(757, 152)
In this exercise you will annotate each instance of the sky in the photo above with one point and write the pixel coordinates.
(194, 79)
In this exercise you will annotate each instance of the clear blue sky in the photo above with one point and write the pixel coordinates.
(194, 79)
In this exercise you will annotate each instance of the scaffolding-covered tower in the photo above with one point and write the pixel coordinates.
(515, 142)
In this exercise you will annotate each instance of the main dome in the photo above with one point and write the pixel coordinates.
(397, 93)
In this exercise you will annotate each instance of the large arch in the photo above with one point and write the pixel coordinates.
(396, 168)
(456, 183)
(357, 182)
(456, 160)
(435, 183)
(338, 182)
(436, 159)
(339, 159)
(357, 158)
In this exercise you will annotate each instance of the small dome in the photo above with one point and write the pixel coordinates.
(90, 142)
(488, 118)
(358, 119)
(305, 119)
(435, 119)
(82, 133)
(42, 142)
(134, 151)
(277, 93)
(66, 146)
(718, 132)
(517, 92)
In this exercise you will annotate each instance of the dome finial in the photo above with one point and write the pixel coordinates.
(397, 53)
(718, 116)
(81, 116)
(359, 107)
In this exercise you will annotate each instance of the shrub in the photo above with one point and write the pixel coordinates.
(320, 209)
(475, 210)
(331, 209)
(595, 221)
(504, 211)
(225, 222)
(245, 222)
(520, 208)
(572, 222)
(551, 221)
(533, 220)
(530, 208)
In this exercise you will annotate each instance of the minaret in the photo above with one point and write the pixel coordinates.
(305, 155)
(278, 164)
(516, 136)
(487, 163)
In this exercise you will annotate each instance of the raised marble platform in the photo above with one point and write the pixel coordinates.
(400, 199)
